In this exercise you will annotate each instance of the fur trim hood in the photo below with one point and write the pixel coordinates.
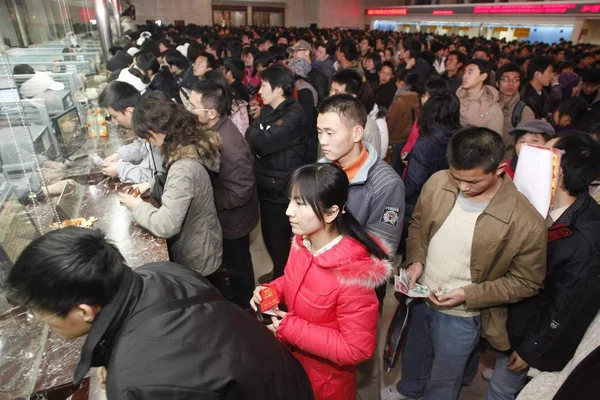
(353, 265)
(207, 152)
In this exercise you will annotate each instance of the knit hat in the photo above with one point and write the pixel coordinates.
(301, 67)
(126, 76)
(38, 84)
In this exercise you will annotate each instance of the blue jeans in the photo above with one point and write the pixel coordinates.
(436, 352)
(505, 384)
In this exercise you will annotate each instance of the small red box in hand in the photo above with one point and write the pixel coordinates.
(270, 299)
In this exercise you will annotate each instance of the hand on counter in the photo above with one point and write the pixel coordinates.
(129, 201)
(112, 158)
(142, 187)
(110, 169)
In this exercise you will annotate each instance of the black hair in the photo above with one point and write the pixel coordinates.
(376, 59)
(485, 67)
(460, 57)
(351, 79)
(235, 66)
(151, 46)
(174, 57)
(263, 59)
(323, 186)
(481, 48)
(476, 147)
(348, 48)
(435, 85)
(119, 96)
(194, 50)
(575, 107)
(113, 50)
(139, 74)
(211, 61)
(508, 56)
(388, 64)
(510, 67)
(250, 49)
(278, 76)
(214, 96)
(428, 56)
(591, 75)
(65, 268)
(413, 45)
(566, 64)
(147, 62)
(580, 161)
(350, 109)
(23, 69)
(441, 111)
(537, 64)
(591, 121)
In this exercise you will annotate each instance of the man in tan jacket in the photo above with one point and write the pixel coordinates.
(479, 102)
(478, 244)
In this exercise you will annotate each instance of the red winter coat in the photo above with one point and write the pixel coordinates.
(331, 325)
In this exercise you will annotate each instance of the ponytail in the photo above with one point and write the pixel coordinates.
(347, 225)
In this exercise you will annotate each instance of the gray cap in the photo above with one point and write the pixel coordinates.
(534, 126)
(300, 45)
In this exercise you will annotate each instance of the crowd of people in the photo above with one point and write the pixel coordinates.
(353, 150)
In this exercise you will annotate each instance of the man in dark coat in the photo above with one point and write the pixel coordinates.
(546, 329)
(161, 331)
(236, 197)
(279, 141)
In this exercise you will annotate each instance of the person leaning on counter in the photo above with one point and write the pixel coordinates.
(186, 215)
(159, 332)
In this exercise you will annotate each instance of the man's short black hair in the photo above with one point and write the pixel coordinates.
(235, 66)
(507, 56)
(510, 67)
(174, 57)
(23, 69)
(65, 268)
(591, 75)
(350, 109)
(351, 79)
(119, 96)
(214, 96)
(278, 76)
(413, 45)
(481, 48)
(388, 64)
(348, 48)
(460, 57)
(476, 147)
(485, 67)
(537, 64)
(580, 161)
(194, 50)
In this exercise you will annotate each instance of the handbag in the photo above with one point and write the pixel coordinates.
(396, 335)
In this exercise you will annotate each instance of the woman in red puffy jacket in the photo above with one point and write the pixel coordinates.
(328, 284)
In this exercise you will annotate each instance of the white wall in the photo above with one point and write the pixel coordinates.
(191, 11)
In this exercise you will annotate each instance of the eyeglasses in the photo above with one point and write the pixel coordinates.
(516, 81)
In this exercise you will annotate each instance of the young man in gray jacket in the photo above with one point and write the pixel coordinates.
(375, 196)
(139, 161)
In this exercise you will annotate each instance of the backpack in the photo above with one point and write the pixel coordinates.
(516, 114)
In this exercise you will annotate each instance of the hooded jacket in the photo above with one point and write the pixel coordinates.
(187, 217)
(279, 141)
(481, 109)
(331, 325)
(205, 351)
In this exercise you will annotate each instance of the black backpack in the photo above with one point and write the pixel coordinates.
(516, 114)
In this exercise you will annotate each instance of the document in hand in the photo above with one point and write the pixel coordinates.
(537, 175)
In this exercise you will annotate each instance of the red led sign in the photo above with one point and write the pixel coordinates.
(387, 11)
(525, 9)
(590, 8)
(443, 12)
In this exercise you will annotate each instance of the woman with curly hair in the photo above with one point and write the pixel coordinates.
(186, 215)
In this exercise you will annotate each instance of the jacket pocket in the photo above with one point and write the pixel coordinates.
(320, 307)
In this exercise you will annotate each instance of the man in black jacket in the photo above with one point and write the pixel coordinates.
(539, 74)
(279, 141)
(545, 330)
(236, 197)
(161, 331)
